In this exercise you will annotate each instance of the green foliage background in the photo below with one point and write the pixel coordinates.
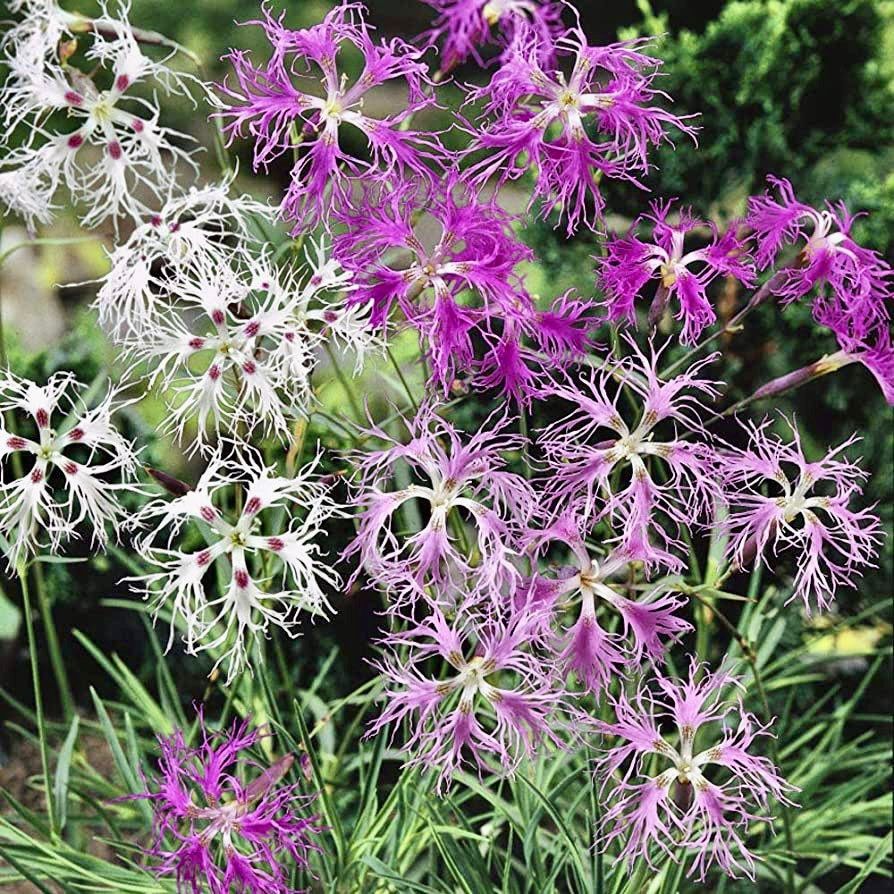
(800, 88)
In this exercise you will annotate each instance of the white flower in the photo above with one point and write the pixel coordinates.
(204, 226)
(26, 196)
(215, 355)
(33, 41)
(77, 472)
(253, 548)
(116, 150)
(239, 342)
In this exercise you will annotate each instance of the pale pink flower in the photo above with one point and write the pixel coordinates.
(646, 484)
(714, 789)
(457, 478)
(584, 589)
(781, 502)
(486, 702)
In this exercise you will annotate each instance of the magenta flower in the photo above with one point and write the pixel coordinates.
(706, 800)
(598, 121)
(779, 499)
(683, 276)
(587, 650)
(877, 356)
(463, 26)
(301, 97)
(470, 692)
(645, 484)
(223, 821)
(459, 289)
(456, 479)
(853, 284)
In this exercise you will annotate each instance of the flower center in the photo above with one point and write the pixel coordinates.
(333, 109)
(668, 274)
(569, 100)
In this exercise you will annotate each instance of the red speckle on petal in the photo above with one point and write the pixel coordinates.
(241, 578)
(137, 125)
(43, 418)
(290, 336)
(252, 329)
(209, 513)
(15, 443)
(217, 317)
(114, 149)
(196, 343)
(276, 544)
(155, 220)
(122, 82)
(75, 141)
(70, 468)
(36, 475)
(76, 434)
(203, 558)
(249, 367)
(74, 99)
(214, 372)
(252, 506)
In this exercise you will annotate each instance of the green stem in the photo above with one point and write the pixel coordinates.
(49, 627)
(343, 381)
(61, 240)
(39, 582)
(774, 753)
(413, 402)
(38, 701)
(733, 325)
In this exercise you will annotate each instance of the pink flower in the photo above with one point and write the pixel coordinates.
(223, 822)
(779, 499)
(706, 800)
(607, 468)
(486, 699)
(463, 26)
(598, 121)
(457, 479)
(683, 276)
(301, 97)
(587, 650)
(853, 285)
(459, 290)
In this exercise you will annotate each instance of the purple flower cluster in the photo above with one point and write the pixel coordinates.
(445, 262)
(216, 830)
(590, 114)
(851, 286)
(301, 101)
(682, 275)
(426, 247)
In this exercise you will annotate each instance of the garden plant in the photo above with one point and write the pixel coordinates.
(449, 501)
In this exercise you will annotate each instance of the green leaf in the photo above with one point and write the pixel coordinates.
(63, 767)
